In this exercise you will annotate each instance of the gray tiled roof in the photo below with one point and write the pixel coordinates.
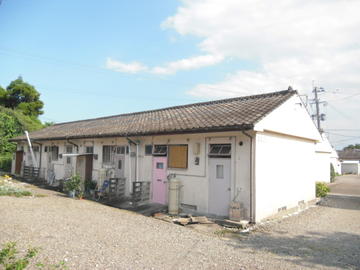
(239, 113)
(352, 154)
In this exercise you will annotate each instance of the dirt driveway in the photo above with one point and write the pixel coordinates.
(346, 185)
(89, 235)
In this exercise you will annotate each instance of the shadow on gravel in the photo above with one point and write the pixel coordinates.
(339, 201)
(340, 250)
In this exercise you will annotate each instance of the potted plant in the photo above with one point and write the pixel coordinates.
(90, 187)
(72, 185)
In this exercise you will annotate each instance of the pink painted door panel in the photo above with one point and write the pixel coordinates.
(159, 182)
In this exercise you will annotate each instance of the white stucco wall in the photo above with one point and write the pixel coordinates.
(286, 162)
(350, 167)
(194, 179)
(290, 118)
(284, 172)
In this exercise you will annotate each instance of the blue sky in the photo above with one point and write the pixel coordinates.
(61, 47)
(91, 58)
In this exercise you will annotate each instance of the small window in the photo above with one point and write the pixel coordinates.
(89, 149)
(160, 150)
(120, 150)
(120, 164)
(148, 149)
(46, 148)
(159, 165)
(36, 148)
(69, 149)
(54, 153)
(219, 171)
(178, 156)
(220, 150)
(68, 160)
(107, 153)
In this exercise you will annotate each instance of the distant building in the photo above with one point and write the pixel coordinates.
(350, 161)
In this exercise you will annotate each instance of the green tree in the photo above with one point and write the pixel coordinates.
(352, 146)
(22, 96)
(3, 96)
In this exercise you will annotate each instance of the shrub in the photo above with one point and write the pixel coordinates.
(321, 189)
(5, 162)
(10, 260)
(13, 191)
(73, 184)
(332, 173)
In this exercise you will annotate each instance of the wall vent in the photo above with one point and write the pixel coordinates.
(188, 206)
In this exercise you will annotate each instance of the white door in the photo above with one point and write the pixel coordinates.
(219, 186)
(119, 162)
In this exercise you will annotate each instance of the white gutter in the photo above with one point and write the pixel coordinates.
(31, 150)
(137, 162)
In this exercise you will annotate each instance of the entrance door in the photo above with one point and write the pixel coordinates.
(18, 161)
(88, 167)
(159, 180)
(119, 162)
(219, 186)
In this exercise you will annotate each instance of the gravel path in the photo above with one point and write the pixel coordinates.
(88, 235)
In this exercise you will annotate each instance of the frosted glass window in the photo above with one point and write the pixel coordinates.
(219, 171)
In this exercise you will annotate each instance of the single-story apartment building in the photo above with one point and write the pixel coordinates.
(259, 151)
(350, 161)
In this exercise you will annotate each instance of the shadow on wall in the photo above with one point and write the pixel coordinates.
(339, 250)
(343, 202)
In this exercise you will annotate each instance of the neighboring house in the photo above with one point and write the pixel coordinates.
(350, 161)
(256, 150)
(335, 161)
(324, 157)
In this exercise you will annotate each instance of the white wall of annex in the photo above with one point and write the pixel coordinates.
(285, 172)
(290, 118)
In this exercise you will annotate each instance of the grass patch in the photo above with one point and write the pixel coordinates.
(40, 195)
(13, 191)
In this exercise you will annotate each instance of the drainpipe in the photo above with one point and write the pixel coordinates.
(40, 144)
(137, 162)
(31, 150)
(137, 157)
(252, 180)
(74, 144)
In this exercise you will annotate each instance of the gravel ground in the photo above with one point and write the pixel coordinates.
(88, 235)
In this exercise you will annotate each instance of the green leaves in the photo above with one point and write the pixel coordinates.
(22, 96)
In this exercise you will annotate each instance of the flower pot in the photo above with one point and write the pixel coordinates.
(71, 193)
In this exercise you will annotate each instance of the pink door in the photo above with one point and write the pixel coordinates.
(159, 182)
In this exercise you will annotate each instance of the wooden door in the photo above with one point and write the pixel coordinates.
(219, 186)
(18, 161)
(159, 180)
(88, 167)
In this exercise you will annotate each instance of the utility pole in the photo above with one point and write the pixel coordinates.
(318, 116)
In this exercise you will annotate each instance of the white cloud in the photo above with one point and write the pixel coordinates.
(292, 43)
(167, 69)
(188, 64)
(133, 67)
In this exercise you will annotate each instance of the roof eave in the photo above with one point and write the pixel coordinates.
(141, 134)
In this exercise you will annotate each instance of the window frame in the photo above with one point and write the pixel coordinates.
(169, 162)
(220, 147)
(148, 147)
(159, 147)
(54, 154)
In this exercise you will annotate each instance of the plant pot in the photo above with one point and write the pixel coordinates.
(71, 193)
